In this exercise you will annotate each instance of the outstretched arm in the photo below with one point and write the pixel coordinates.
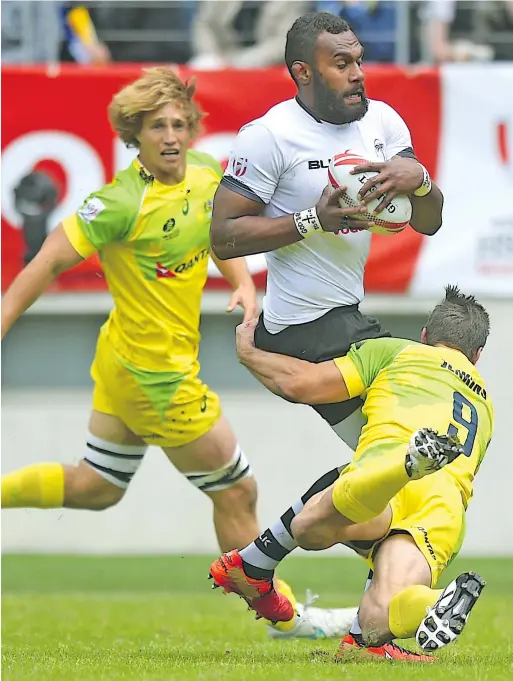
(56, 255)
(293, 379)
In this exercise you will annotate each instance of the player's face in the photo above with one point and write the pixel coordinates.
(163, 142)
(337, 78)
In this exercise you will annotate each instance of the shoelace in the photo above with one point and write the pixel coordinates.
(325, 618)
(310, 599)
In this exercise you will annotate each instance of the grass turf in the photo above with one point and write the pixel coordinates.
(73, 618)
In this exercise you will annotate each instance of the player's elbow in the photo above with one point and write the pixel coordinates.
(221, 243)
(294, 388)
(219, 249)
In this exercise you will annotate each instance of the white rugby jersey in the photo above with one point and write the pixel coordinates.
(281, 159)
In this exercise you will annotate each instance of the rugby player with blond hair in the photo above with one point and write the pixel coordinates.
(150, 227)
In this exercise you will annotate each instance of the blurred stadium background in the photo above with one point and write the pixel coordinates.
(447, 67)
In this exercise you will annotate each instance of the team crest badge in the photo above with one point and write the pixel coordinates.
(91, 209)
(240, 165)
(170, 229)
(208, 208)
(379, 148)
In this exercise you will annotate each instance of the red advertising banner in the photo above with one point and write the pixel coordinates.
(57, 121)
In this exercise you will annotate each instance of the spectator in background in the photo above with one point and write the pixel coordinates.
(242, 34)
(31, 32)
(41, 32)
(439, 19)
(81, 43)
(499, 20)
(153, 32)
(374, 21)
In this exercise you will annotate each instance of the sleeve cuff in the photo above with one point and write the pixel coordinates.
(351, 377)
(76, 237)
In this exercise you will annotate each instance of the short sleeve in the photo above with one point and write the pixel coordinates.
(104, 217)
(256, 163)
(397, 134)
(364, 361)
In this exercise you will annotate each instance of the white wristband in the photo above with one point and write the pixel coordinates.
(307, 222)
(425, 187)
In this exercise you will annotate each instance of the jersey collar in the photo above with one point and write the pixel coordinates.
(144, 173)
(150, 179)
(308, 110)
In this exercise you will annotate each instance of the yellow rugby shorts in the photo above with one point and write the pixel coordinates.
(431, 510)
(164, 408)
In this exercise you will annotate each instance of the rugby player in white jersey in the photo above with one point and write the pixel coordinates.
(273, 199)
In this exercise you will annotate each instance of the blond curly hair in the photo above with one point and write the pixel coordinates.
(157, 87)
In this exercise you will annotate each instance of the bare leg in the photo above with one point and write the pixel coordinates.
(399, 564)
(234, 510)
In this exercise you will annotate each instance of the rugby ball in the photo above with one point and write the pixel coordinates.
(396, 215)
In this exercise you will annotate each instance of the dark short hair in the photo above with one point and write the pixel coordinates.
(459, 322)
(303, 34)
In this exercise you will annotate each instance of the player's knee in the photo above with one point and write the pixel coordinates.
(86, 489)
(102, 477)
(309, 534)
(231, 487)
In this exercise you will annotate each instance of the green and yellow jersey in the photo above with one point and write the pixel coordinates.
(406, 386)
(153, 243)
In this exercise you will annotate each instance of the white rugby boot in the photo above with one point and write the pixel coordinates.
(317, 623)
(446, 620)
(428, 452)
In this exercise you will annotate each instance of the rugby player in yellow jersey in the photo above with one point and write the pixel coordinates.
(401, 502)
(150, 227)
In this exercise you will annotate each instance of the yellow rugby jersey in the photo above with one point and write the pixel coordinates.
(153, 243)
(406, 386)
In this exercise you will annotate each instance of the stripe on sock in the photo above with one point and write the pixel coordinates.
(321, 484)
(268, 544)
(275, 543)
(288, 517)
(283, 535)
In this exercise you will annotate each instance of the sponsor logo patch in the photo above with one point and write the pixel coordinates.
(91, 210)
(240, 165)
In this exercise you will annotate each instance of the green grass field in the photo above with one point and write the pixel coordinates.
(155, 619)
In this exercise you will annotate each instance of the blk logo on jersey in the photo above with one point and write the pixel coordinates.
(239, 165)
(317, 165)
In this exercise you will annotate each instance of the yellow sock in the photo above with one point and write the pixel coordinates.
(408, 609)
(285, 589)
(37, 486)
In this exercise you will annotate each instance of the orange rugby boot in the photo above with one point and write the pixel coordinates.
(260, 594)
(389, 651)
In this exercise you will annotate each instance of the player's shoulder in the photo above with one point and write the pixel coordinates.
(276, 122)
(126, 189)
(381, 112)
(204, 163)
(122, 196)
(387, 343)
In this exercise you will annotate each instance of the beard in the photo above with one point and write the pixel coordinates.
(330, 105)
